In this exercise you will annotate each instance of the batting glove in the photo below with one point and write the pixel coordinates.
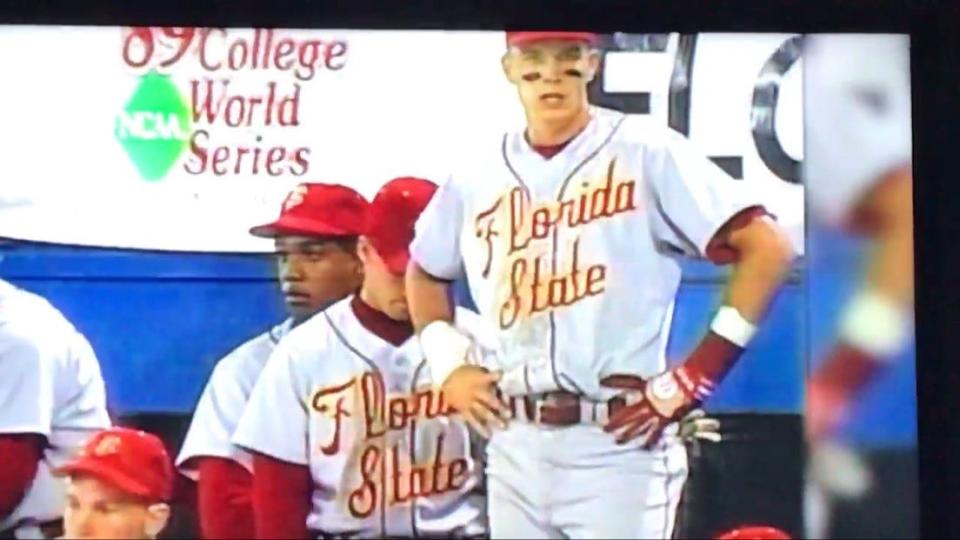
(653, 405)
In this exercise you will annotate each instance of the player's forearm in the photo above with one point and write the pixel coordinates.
(428, 298)
(764, 258)
(281, 498)
(21, 453)
(224, 499)
(890, 270)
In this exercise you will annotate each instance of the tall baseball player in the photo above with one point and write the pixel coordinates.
(858, 174)
(119, 487)
(52, 398)
(315, 238)
(570, 232)
(349, 438)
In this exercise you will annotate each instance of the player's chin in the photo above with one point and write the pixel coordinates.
(301, 309)
(399, 310)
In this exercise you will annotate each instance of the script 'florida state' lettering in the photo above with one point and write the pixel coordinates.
(386, 470)
(517, 235)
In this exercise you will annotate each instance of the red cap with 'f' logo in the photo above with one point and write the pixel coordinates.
(392, 218)
(130, 460)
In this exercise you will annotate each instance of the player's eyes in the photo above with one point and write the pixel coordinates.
(315, 255)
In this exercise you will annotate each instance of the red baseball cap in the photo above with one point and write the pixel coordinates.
(523, 38)
(392, 218)
(318, 210)
(752, 532)
(131, 460)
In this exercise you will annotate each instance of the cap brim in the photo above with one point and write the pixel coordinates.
(534, 37)
(108, 475)
(290, 225)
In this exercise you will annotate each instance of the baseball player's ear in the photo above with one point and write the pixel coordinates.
(593, 64)
(506, 62)
(157, 517)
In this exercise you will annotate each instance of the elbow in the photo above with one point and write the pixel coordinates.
(767, 246)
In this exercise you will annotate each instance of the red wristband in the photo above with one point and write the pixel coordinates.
(708, 364)
(848, 368)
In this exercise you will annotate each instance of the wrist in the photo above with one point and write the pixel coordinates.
(875, 324)
(708, 365)
(729, 324)
(445, 349)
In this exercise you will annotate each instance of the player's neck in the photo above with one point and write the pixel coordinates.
(557, 132)
(377, 322)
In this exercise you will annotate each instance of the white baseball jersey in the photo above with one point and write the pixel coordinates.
(221, 405)
(857, 117)
(575, 258)
(385, 454)
(50, 384)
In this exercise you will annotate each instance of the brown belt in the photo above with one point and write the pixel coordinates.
(563, 409)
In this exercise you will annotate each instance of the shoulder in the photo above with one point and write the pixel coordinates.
(31, 325)
(644, 131)
(249, 357)
(315, 336)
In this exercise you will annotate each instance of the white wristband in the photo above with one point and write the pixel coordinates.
(729, 324)
(445, 349)
(875, 324)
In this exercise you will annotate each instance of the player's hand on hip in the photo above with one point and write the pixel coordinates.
(651, 405)
(471, 391)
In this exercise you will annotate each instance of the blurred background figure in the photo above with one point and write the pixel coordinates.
(860, 408)
(119, 486)
(52, 398)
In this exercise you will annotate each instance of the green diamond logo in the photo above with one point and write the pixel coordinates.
(154, 127)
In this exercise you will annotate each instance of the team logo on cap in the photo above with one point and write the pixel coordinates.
(106, 446)
(295, 197)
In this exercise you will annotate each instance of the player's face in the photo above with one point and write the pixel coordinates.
(551, 77)
(383, 287)
(98, 510)
(315, 272)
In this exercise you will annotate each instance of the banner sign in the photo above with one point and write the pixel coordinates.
(180, 139)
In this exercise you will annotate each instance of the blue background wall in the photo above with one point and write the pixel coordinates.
(160, 321)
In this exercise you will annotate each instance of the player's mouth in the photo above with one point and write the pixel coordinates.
(295, 298)
(552, 98)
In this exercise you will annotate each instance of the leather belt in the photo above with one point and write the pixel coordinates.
(563, 409)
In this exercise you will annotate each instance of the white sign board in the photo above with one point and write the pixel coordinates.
(181, 139)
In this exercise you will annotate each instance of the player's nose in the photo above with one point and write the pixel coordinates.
(551, 70)
(290, 269)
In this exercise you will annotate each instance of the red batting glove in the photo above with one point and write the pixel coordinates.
(830, 391)
(653, 405)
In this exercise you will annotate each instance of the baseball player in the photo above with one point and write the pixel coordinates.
(570, 232)
(315, 238)
(348, 436)
(119, 486)
(858, 175)
(52, 398)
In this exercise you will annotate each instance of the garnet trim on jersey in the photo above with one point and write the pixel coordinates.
(719, 249)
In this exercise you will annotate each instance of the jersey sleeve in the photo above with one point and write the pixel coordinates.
(215, 419)
(858, 127)
(436, 243)
(692, 196)
(275, 420)
(27, 386)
